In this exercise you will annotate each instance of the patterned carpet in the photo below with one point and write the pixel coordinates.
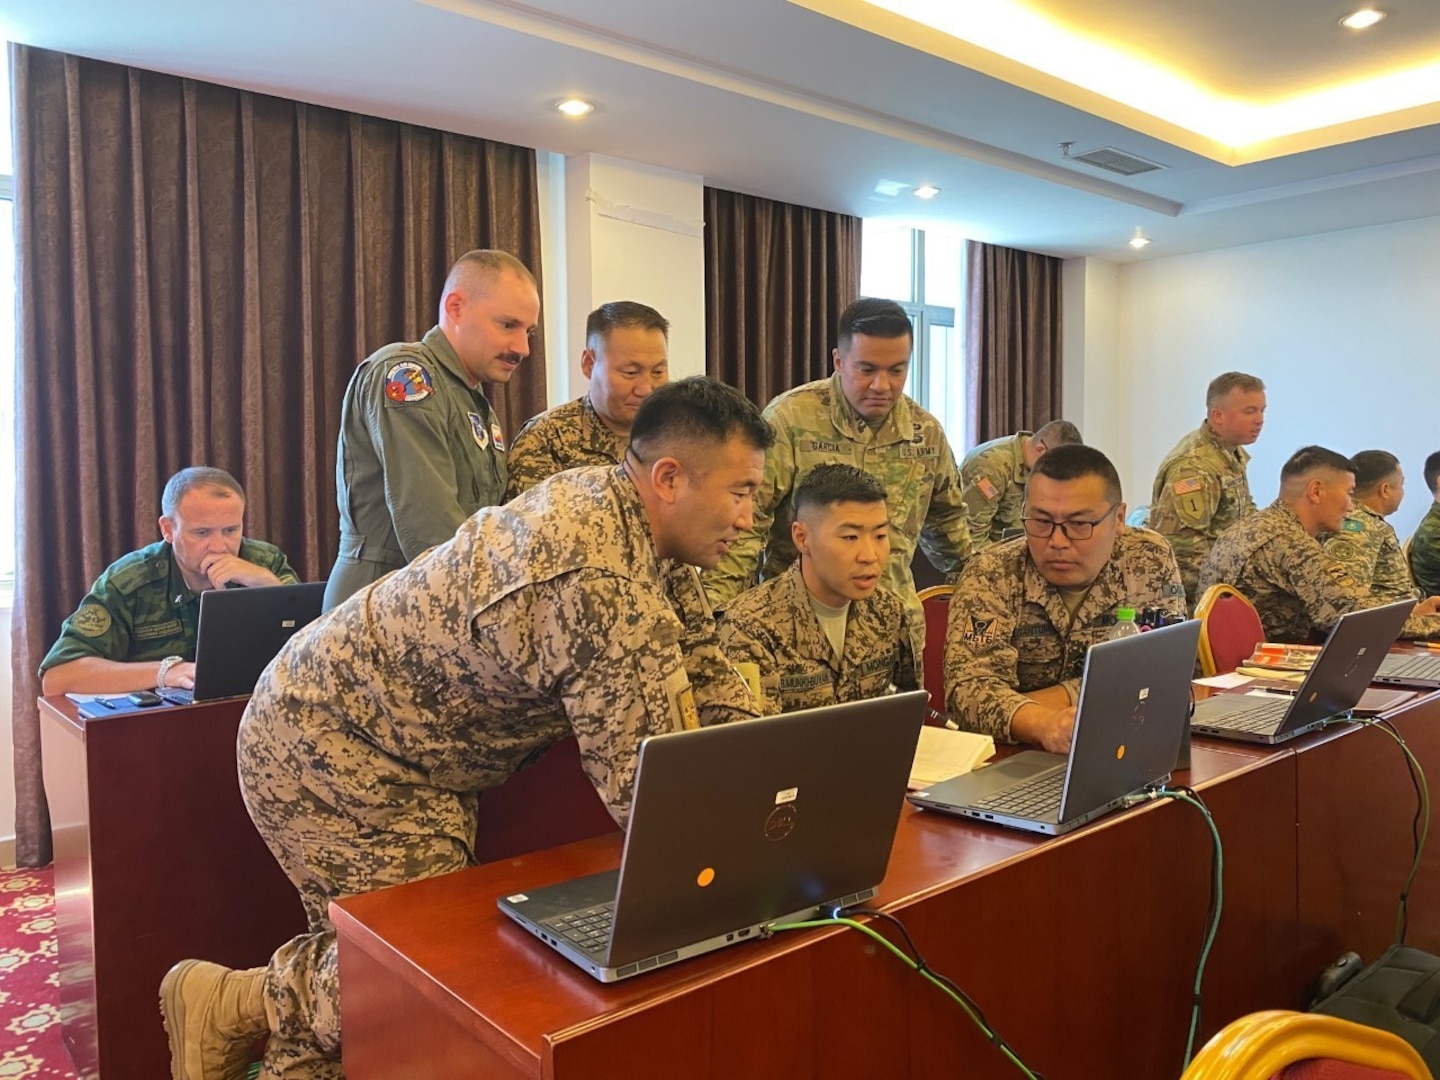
(30, 1043)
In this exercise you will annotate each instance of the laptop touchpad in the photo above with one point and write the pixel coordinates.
(1026, 764)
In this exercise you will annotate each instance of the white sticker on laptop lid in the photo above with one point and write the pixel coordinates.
(789, 794)
(518, 898)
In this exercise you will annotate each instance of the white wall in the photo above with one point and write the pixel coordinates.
(1344, 328)
(1090, 397)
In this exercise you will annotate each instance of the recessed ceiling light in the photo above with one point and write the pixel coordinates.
(575, 107)
(1139, 240)
(1362, 19)
(926, 191)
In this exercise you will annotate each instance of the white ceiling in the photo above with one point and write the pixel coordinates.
(767, 97)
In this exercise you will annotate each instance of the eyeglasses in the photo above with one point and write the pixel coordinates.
(1040, 528)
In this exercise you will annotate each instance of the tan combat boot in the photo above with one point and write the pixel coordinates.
(213, 1015)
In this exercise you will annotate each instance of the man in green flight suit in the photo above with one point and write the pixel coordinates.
(135, 629)
(420, 448)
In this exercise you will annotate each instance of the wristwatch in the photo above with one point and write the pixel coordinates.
(165, 666)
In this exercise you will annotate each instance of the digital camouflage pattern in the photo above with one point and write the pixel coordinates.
(1285, 573)
(140, 608)
(565, 437)
(774, 627)
(1009, 632)
(1200, 490)
(419, 452)
(1370, 550)
(1425, 552)
(993, 479)
(369, 738)
(908, 453)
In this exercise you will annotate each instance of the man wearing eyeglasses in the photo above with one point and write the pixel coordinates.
(1025, 611)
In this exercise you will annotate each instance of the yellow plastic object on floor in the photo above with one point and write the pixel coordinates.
(1261, 1045)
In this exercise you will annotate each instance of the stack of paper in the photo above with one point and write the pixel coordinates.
(943, 753)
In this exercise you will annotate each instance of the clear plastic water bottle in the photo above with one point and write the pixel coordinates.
(1124, 624)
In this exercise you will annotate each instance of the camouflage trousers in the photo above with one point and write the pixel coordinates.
(327, 854)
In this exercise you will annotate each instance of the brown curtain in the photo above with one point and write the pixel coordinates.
(777, 278)
(200, 269)
(1012, 341)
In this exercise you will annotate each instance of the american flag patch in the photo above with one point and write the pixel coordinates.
(1185, 487)
(987, 488)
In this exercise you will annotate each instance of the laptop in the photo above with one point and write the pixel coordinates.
(1334, 685)
(1129, 721)
(1413, 672)
(736, 827)
(240, 631)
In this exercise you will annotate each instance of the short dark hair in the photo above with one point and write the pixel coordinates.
(1075, 461)
(826, 485)
(873, 318)
(1058, 433)
(197, 478)
(1231, 380)
(1310, 458)
(623, 314)
(488, 263)
(1432, 471)
(697, 409)
(1372, 468)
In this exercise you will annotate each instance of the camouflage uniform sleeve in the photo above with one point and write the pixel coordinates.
(1392, 575)
(945, 537)
(741, 641)
(980, 657)
(909, 674)
(720, 693)
(530, 460)
(740, 566)
(1322, 585)
(413, 443)
(280, 566)
(982, 486)
(102, 626)
(1425, 556)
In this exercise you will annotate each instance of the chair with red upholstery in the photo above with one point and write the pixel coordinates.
(936, 602)
(1280, 1045)
(1230, 628)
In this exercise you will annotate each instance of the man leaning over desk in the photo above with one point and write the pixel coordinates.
(135, 629)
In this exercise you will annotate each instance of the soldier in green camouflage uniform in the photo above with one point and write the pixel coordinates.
(420, 448)
(1425, 544)
(145, 606)
(993, 478)
(368, 740)
(1274, 559)
(826, 631)
(1201, 488)
(1366, 544)
(861, 417)
(1025, 611)
(625, 359)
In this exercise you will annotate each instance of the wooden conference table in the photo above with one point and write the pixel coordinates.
(1081, 950)
(156, 860)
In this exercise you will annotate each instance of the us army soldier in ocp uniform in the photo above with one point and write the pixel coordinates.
(1366, 543)
(367, 741)
(993, 478)
(1201, 488)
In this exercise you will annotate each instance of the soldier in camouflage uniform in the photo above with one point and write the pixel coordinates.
(1275, 560)
(1366, 543)
(993, 478)
(826, 630)
(1202, 488)
(626, 357)
(860, 416)
(1425, 544)
(1025, 611)
(136, 626)
(369, 739)
(420, 448)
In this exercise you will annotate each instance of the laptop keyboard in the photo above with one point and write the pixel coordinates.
(588, 929)
(1262, 718)
(1411, 667)
(1032, 798)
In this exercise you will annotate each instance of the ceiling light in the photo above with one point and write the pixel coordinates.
(926, 191)
(1139, 240)
(575, 107)
(1362, 19)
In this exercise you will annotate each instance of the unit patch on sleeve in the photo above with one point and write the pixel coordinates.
(408, 382)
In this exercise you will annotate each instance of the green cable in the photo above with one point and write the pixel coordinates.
(1214, 927)
(870, 932)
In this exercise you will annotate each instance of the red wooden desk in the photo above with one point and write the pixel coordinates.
(155, 860)
(1081, 950)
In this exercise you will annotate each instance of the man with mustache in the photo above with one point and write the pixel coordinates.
(827, 630)
(420, 448)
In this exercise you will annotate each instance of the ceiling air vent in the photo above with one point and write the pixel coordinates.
(1112, 160)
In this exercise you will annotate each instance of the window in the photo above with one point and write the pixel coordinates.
(923, 270)
(8, 388)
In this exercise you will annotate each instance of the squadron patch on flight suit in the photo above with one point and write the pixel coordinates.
(407, 382)
(477, 428)
(497, 436)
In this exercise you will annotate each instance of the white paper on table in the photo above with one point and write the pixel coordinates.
(1224, 682)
